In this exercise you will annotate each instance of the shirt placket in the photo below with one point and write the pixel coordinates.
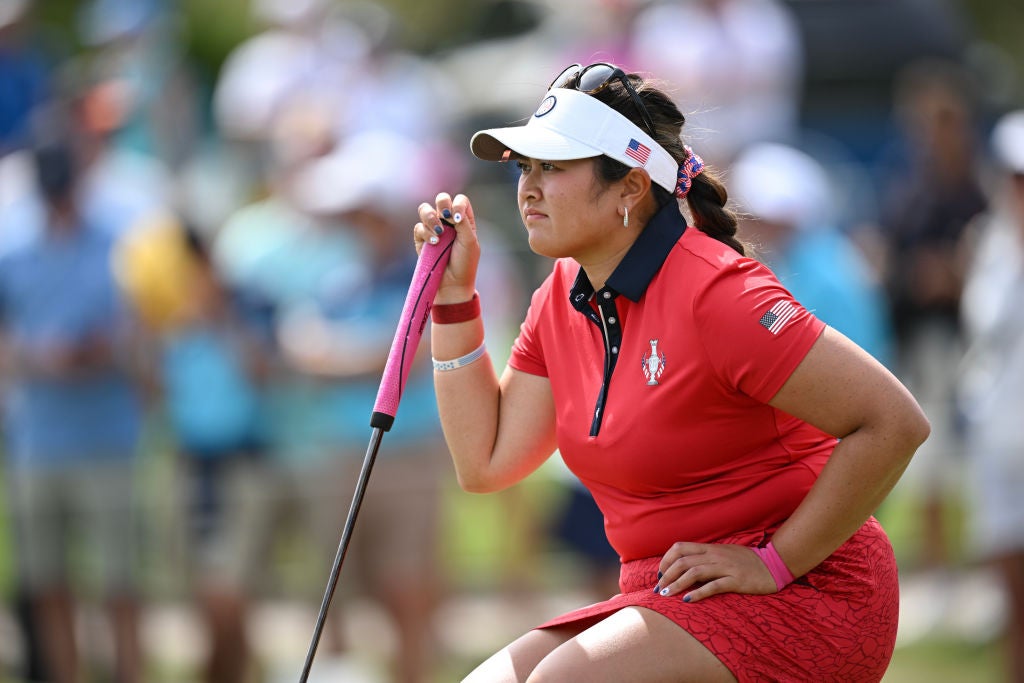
(606, 317)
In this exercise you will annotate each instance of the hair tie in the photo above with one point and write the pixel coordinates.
(688, 170)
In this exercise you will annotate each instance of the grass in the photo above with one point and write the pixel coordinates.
(945, 661)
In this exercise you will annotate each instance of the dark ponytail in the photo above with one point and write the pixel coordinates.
(707, 198)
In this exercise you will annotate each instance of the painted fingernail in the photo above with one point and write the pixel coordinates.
(434, 239)
(664, 591)
(447, 213)
(686, 598)
(457, 218)
(438, 229)
(659, 576)
(656, 589)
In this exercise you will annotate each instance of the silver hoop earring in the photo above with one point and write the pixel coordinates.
(625, 217)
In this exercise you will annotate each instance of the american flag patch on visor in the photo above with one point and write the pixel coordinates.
(777, 316)
(639, 151)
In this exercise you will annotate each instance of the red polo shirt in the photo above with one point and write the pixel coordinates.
(661, 381)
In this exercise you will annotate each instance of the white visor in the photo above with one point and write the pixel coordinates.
(573, 125)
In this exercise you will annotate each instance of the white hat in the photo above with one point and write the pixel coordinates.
(778, 183)
(1008, 141)
(573, 125)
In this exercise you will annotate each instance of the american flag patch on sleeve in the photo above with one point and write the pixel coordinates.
(777, 316)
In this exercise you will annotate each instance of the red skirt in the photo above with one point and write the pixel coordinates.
(836, 623)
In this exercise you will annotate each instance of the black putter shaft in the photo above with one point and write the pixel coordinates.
(339, 557)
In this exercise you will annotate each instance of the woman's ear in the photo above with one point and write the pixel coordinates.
(635, 186)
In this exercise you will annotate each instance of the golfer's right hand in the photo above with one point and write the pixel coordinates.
(459, 281)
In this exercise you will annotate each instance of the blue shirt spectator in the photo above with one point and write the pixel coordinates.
(789, 197)
(24, 86)
(57, 296)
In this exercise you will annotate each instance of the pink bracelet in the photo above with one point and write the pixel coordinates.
(779, 571)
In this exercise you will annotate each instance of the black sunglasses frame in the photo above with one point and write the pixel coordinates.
(572, 77)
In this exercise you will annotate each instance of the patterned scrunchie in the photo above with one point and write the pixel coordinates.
(688, 170)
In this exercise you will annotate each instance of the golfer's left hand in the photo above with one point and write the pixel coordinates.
(713, 568)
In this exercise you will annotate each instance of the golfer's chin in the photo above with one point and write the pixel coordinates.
(541, 243)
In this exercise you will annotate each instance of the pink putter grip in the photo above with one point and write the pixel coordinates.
(425, 281)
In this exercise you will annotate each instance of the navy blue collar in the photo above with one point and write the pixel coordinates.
(637, 268)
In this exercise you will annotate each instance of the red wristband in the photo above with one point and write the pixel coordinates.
(448, 314)
(779, 571)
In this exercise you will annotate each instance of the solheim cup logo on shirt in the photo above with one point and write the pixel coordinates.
(653, 364)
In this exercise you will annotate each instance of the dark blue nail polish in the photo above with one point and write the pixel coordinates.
(659, 576)
(438, 229)
(656, 589)
(686, 598)
(447, 213)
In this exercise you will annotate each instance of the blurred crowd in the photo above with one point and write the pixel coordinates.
(200, 276)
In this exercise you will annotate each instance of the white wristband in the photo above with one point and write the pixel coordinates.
(445, 365)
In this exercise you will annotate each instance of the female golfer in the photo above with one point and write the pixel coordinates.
(736, 446)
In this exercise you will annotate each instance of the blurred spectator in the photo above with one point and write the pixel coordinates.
(115, 188)
(25, 69)
(342, 334)
(272, 250)
(992, 381)
(212, 358)
(136, 49)
(736, 65)
(327, 251)
(303, 53)
(603, 34)
(126, 185)
(510, 43)
(854, 50)
(931, 192)
(71, 416)
(328, 71)
(789, 201)
(341, 62)
(393, 89)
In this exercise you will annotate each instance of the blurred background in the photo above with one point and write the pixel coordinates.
(205, 208)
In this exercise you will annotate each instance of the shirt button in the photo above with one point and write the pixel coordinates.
(611, 320)
(607, 295)
(615, 349)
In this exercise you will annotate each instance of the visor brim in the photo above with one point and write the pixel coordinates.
(532, 142)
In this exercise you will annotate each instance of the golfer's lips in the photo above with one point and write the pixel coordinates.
(532, 214)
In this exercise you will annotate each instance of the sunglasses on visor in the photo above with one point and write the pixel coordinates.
(594, 78)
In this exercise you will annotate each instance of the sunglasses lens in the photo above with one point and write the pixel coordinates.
(566, 79)
(595, 77)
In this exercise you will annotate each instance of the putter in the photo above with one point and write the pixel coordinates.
(425, 281)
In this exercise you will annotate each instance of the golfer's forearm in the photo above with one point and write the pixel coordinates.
(467, 399)
(861, 472)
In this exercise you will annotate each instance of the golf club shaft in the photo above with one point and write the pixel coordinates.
(346, 536)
